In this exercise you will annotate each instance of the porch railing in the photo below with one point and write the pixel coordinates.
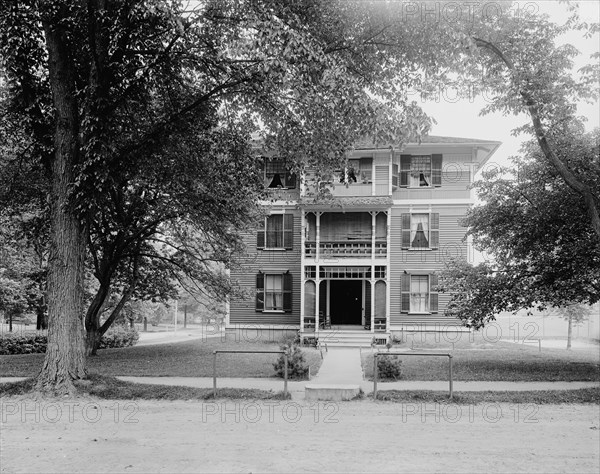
(345, 248)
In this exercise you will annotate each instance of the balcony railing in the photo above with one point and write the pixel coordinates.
(345, 249)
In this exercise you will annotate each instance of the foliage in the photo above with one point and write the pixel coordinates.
(119, 336)
(541, 249)
(297, 366)
(30, 343)
(389, 368)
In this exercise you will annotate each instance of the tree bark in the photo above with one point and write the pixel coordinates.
(65, 359)
(569, 332)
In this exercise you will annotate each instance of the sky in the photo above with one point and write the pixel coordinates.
(461, 118)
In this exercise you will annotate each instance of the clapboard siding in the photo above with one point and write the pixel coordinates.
(242, 310)
(455, 180)
(451, 245)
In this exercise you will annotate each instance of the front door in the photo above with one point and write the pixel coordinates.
(345, 301)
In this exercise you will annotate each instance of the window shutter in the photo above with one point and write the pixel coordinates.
(434, 240)
(405, 294)
(436, 170)
(260, 235)
(405, 231)
(288, 231)
(287, 292)
(433, 294)
(290, 180)
(404, 170)
(260, 291)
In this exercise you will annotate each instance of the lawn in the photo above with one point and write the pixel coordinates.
(111, 388)
(480, 360)
(185, 359)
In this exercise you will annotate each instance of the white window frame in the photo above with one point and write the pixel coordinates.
(281, 292)
(273, 214)
(428, 295)
(429, 178)
(428, 214)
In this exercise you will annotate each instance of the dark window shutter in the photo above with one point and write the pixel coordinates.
(288, 231)
(260, 235)
(405, 294)
(368, 303)
(405, 231)
(287, 292)
(260, 291)
(436, 170)
(404, 170)
(434, 240)
(433, 294)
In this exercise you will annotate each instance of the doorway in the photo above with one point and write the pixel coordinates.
(345, 301)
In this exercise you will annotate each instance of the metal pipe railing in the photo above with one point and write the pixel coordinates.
(427, 354)
(285, 367)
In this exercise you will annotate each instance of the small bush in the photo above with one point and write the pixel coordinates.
(32, 343)
(389, 368)
(119, 336)
(297, 367)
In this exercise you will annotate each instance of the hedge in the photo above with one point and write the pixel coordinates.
(36, 343)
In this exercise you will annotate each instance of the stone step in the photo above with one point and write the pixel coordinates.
(333, 392)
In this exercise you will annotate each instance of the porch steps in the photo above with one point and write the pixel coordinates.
(339, 378)
(347, 338)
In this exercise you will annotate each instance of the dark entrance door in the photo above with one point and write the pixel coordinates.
(345, 301)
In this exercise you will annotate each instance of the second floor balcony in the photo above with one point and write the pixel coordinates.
(331, 235)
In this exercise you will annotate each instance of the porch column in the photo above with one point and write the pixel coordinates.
(372, 299)
(318, 236)
(303, 274)
(373, 232)
(317, 276)
(388, 271)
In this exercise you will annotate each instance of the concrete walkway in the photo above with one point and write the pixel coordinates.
(340, 366)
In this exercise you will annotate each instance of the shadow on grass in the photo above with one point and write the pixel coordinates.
(110, 388)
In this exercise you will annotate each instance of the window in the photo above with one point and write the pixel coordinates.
(420, 171)
(358, 171)
(420, 231)
(277, 175)
(274, 292)
(310, 272)
(418, 293)
(276, 232)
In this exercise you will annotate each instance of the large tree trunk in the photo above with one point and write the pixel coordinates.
(65, 359)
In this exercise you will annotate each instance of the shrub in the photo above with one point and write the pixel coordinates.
(389, 368)
(22, 343)
(36, 343)
(297, 367)
(119, 336)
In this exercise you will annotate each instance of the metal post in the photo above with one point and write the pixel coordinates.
(215, 374)
(375, 376)
(450, 373)
(285, 374)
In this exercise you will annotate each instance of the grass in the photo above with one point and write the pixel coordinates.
(540, 397)
(110, 388)
(499, 361)
(185, 359)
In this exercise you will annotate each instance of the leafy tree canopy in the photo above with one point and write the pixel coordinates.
(540, 246)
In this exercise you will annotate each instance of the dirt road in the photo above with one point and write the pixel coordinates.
(240, 436)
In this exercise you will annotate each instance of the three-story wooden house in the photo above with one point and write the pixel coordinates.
(362, 264)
